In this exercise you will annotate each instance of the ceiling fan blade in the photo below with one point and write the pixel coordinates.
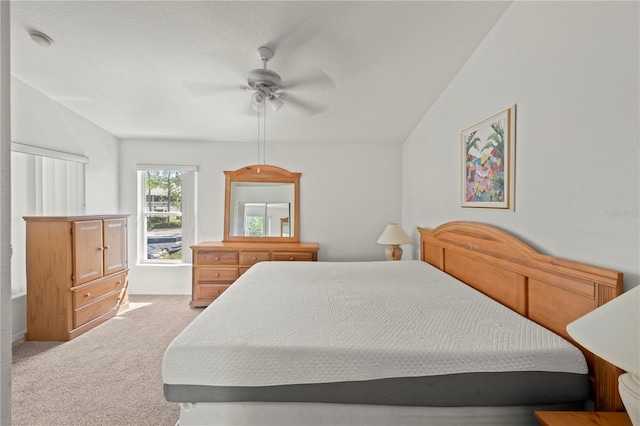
(217, 71)
(315, 79)
(207, 88)
(249, 111)
(305, 107)
(309, 24)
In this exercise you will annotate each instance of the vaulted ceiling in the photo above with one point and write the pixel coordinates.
(357, 71)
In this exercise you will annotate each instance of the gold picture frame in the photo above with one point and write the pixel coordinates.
(488, 162)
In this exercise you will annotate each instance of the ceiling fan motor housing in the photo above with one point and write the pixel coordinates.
(264, 77)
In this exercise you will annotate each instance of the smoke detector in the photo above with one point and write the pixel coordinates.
(40, 38)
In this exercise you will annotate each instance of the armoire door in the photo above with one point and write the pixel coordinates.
(88, 247)
(115, 245)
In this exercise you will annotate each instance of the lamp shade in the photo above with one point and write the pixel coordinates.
(394, 235)
(612, 331)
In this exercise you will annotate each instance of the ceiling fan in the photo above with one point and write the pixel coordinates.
(269, 88)
(266, 83)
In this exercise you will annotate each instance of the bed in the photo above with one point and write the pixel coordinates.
(472, 333)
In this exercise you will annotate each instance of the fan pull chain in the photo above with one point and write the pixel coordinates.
(264, 132)
(259, 109)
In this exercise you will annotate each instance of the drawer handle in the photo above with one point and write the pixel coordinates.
(255, 258)
(217, 258)
(292, 258)
(87, 295)
(217, 274)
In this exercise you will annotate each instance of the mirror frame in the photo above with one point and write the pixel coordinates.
(262, 173)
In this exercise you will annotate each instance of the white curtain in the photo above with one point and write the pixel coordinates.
(41, 186)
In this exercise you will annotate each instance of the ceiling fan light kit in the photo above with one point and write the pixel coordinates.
(276, 103)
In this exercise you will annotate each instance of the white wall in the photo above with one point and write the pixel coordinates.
(348, 193)
(572, 68)
(40, 121)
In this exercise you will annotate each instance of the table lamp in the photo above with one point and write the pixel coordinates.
(393, 236)
(612, 332)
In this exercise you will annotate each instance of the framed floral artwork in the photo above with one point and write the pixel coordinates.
(488, 150)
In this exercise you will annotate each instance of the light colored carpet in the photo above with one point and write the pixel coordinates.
(108, 376)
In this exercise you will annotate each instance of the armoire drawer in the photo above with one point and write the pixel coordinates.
(96, 308)
(215, 274)
(88, 294)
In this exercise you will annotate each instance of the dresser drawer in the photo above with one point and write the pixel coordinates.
(96, 308)
(216, 257)
(210, 291)
(88, 294)
(294, 255)
(215, 274)
(252, 257)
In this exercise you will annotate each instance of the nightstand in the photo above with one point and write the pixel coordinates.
(582, 418)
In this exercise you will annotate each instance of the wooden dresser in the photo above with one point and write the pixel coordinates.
(76, 273)
(216, 265)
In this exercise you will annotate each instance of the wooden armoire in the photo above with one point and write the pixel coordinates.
(76, 273)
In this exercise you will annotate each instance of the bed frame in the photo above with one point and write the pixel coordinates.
(550, 291)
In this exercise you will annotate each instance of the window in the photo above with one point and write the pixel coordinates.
(254, 225)
(167, 213)
(258, 219)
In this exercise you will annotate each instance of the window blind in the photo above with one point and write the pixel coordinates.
(43, 183)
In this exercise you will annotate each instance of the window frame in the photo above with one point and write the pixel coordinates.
(187, 212)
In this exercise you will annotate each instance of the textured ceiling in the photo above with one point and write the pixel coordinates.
(174, 69)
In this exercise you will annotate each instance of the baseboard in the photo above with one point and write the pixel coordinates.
(18, 317)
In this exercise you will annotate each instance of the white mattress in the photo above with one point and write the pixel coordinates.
(318, 322)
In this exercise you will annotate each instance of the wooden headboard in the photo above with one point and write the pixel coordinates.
(550, 291)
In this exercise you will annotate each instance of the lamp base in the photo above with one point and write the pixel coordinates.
(629, 387)
(393, 252)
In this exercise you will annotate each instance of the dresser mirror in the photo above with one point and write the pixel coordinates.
(262, 204)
